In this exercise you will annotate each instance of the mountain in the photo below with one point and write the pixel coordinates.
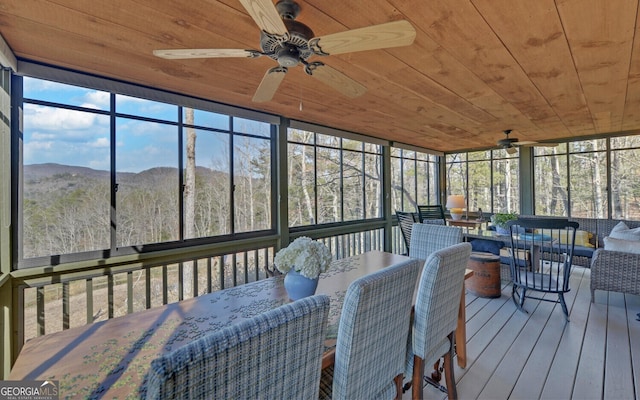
(36, 172)
(44, 182)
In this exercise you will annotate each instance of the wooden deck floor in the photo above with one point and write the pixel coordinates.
(513, 355)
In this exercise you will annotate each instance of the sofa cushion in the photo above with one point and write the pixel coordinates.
(622, 231)
(580, 251)
(486, 246)
(582, 237)
(583, 251)
(537, 237)
(627, 246)
(523, 258)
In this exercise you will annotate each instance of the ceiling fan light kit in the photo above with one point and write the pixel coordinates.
(290, 43)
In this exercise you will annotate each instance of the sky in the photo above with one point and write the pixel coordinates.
(70, 137)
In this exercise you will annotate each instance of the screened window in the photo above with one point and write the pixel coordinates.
(109, 171)
(488, 180)
(147, 182)
(625, 177)
(571, 179)
(505, 179)
(332, 179)
(66, 181)
(414, 177)
(588, 178)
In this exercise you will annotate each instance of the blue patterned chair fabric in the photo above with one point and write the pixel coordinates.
(436, 315)
(275, 355)
(427, 238)
(372, 334)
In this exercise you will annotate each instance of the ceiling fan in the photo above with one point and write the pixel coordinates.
(510, 143)
(291, 43)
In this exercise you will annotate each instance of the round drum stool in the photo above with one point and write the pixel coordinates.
(485, 281)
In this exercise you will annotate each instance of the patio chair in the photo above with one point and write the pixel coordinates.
(436, 315)
(427, 238)
(274, 355)
(550, 243)
(372, 335)
(405, 222)
(431, 213)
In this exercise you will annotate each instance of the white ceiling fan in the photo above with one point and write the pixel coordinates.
(511, 144)
(291, 43)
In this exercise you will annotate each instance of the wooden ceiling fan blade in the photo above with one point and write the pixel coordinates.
(177, 54)
(266, 16)
(524, 143)
(390, 34)
(535, 144)
(269, 85)
(339, 81)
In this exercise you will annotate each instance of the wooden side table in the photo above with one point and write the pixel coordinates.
(485, 281)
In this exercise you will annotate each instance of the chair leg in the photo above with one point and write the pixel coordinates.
(452, 392)
(518, 297)
(418, 372)
(436, 375)
(564, 306)
(398, 382)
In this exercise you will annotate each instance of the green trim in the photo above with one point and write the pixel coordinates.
(386, 198)
(38, 276)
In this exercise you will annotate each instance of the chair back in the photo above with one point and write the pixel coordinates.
(373, 331)
(541, 253)
(429, 212)
(274, 355)
(427, 238)
(437, 301)
(541, 258)
(405, 222)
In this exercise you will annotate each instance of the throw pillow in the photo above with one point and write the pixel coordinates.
(622, 231)
(627, 246)
(582, 237)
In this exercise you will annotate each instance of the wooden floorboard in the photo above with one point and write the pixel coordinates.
(538, 355)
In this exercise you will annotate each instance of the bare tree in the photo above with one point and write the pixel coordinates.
(189, 194)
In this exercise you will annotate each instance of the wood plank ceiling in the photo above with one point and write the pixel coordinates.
(547, 69)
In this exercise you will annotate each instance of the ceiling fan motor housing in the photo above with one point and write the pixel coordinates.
(288, 56)
(299, 35)
(506, 142)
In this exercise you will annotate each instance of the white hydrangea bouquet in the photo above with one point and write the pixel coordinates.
(309, 257)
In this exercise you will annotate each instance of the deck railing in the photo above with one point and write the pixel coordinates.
(55, 299)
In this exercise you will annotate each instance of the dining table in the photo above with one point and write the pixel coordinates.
(111, 359)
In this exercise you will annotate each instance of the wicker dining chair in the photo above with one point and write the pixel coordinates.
(372, 336)
(274, 355)
(427, 238)
(436, 316)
